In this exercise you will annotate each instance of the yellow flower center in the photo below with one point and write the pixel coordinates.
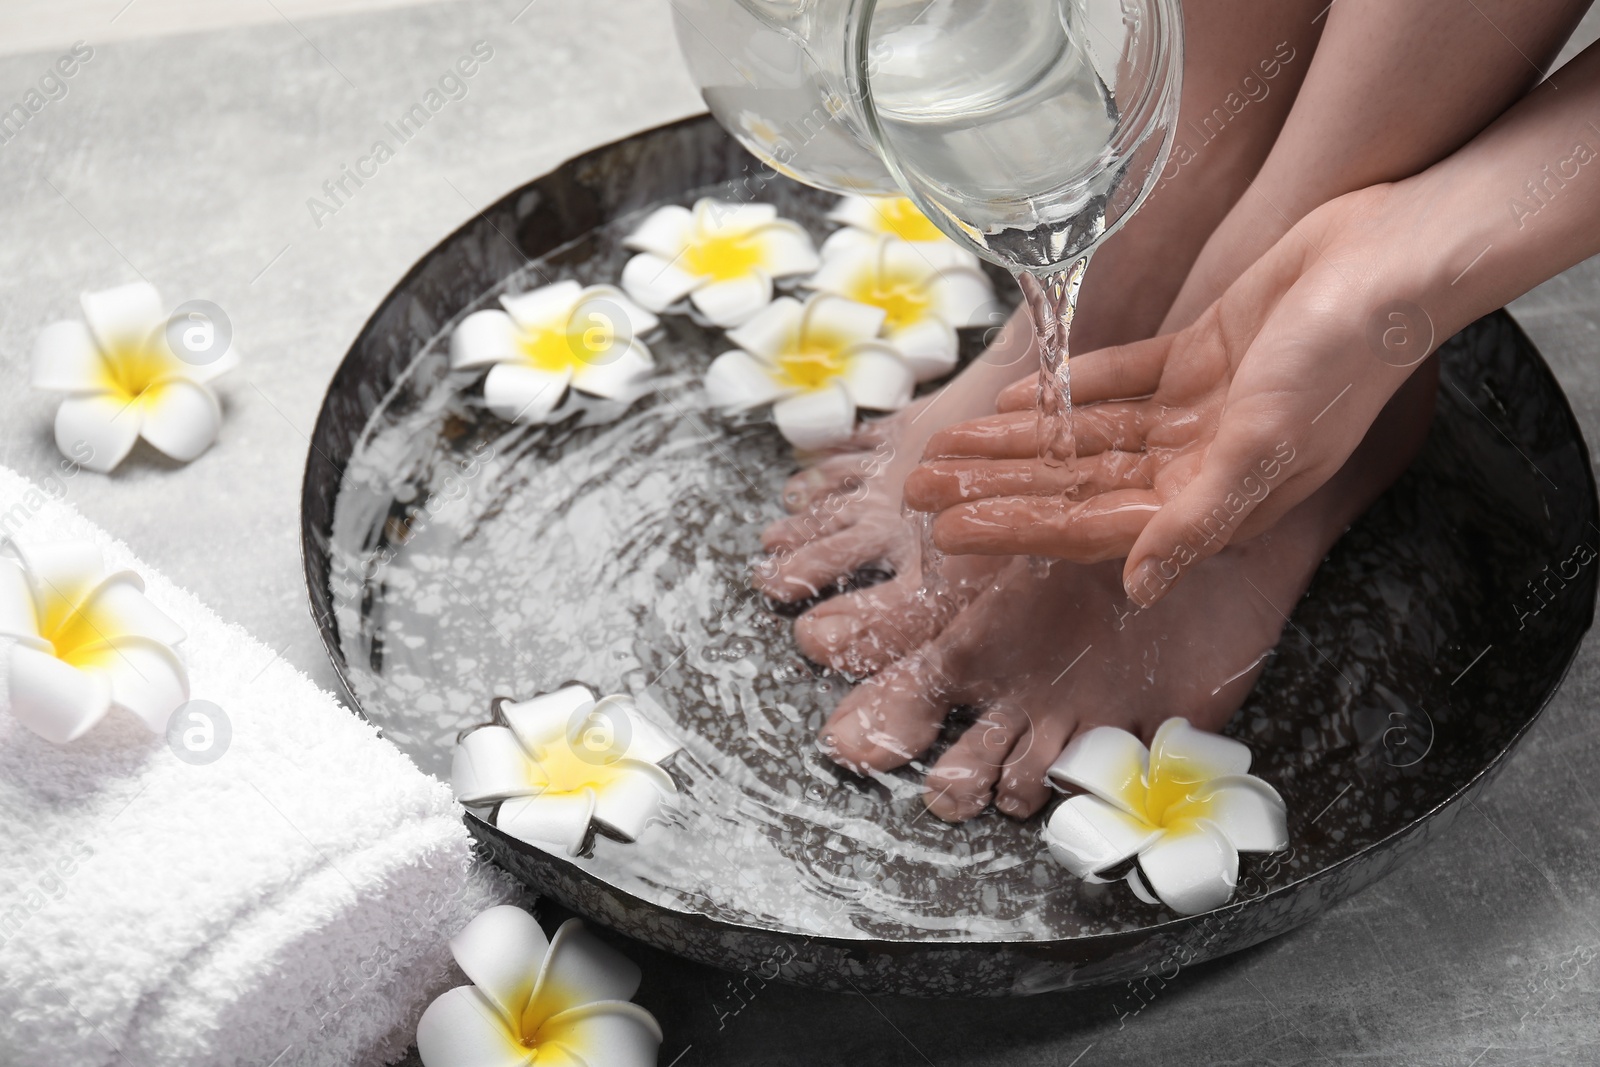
(901, 218)
(904, 300)
(132, 369)
(558, 349)
(723, 257)
(811, 362)
(562, 769)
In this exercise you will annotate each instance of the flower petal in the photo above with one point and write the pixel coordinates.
(847, 242)
(181, 417)
(1192, 869)
(786, 249)
(463, 1029)
(519, 393)
(771, 330)
(1108, 762)
(546, 718)
(580, 969)
(734, 301)
(964, 297)
(1182, 758)
(1248, 811)
(929, 346)
(18, 617)
(502, 950)
(632, 796)
(66, 359)
(611, 299)
(543, 308)
(484, 337)
(845, 271)
(816, 419)
(615, 373)
(146, 677)
(664, 232)
(646, 740)
(211, 370)
(877, 378)
(489, 765)
(841, 320)
(737, 381)
(555, 822)
(1086, 835)
(725, 219)
(54, 699)
(124, 317)
(117, 607)
(1136, 884)
(655, 282)
(107, 424)
(62, 574)
(859, 212)
(611, 1033)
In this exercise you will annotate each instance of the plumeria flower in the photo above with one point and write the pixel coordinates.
(867, 218)
(927, 292)
(83, 642)
(1186, 808)
(562, 1002)
(722, 256)
(560, 762)
(123, 381)
(816, 363)
(554, 337)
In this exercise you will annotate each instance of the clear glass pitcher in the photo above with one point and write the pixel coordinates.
(1026, 129)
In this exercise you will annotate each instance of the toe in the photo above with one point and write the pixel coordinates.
(888, 720)
(1022, 788)
(806, 571)
(835, 474)
(962, 783)
(862, 632)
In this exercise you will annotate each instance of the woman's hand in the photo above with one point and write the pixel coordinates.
(1239, 417)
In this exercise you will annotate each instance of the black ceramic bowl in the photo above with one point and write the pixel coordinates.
(1429, 641)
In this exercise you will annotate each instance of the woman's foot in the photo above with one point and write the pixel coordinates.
(1043, 658)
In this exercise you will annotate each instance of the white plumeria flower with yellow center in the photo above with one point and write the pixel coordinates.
(722, 256)
(551, 338)
(123, 381)
(927, 292)
(1183, 809)
(83, 642)
(816, 363)
(562, 1002)
(867, 218)
(562, 761)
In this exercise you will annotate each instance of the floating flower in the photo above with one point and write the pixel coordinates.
(124, 381)
(867, 218)
(83, 641)
(559, 762)
(722, 256)
(816, 363)
(562, 1002)
(1185, 808)
(927, 292)
(556, 336)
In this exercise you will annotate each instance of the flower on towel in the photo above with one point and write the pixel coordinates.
(927, 292)
(866, 218)
(1183, 810)
(123, 380)
(562, 761)
(562, 1001)
(83, 641)
(816, 363)
(553, 337)
(722, 256)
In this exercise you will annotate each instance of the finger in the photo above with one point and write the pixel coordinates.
(1207, 512)
(806, 571)
(945, 483)
(1104, 527)
(1115, 373)
(1015, 435)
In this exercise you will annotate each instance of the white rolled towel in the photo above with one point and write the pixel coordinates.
(288, 904)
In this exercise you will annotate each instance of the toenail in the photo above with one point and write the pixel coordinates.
(827, 742)
(1009, 805)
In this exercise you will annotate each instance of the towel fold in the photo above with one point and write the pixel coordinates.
(289, 903)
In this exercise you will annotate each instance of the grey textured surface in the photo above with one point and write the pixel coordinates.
(190, 159)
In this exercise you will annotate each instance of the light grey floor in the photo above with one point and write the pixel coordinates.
(189, 160)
